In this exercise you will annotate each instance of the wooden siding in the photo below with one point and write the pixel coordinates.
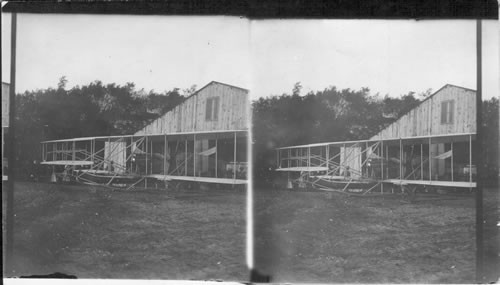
(425, 119)
(351, 156)
(115, 152)
(190, 116)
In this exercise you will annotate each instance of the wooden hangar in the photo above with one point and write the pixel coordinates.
(431, 146)
(202, 140)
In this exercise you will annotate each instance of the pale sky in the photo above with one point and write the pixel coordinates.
(266, 56)
(388, 56)
(154, 52)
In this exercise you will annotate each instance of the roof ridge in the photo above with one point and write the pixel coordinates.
(212, 82)
(469, 89)
(234, 86)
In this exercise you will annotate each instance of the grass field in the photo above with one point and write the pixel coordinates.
(317, 237)
(99, 233)
(491, 234)
(299, 236)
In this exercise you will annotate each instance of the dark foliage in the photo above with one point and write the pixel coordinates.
(328, 115)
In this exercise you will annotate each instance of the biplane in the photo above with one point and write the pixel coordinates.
(430, 147)
(136, 160)
(381, 166)
(201, 140)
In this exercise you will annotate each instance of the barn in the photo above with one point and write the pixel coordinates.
(217, 108)
(447, 119)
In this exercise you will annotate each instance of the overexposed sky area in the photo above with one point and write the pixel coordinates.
(266, 56)
(388, 56)
(154, 52)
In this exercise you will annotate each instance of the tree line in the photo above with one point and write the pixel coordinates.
(95, 109)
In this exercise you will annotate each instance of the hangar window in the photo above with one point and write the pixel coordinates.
(212, 111)
(447, 108)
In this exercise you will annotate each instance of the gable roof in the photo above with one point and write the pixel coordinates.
(444, 87)
(215, 82)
